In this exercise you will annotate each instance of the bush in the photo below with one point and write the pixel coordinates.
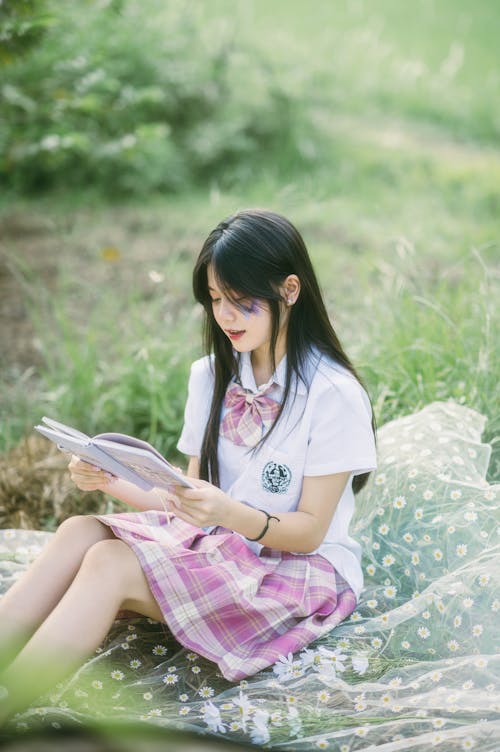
(132, 97)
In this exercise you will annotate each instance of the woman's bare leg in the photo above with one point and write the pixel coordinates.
(31, 599)
(110, 576)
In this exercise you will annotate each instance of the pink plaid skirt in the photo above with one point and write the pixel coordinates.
(221, 600)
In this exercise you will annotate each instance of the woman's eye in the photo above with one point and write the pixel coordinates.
(215, 300)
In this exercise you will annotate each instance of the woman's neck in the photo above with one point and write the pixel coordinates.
(261, 361)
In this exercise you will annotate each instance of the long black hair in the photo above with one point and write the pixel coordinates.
(251, 254)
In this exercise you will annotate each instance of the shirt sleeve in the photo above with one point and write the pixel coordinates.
(341, 437)
(197, 409)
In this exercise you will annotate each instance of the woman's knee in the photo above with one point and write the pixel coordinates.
(84, 527)
(109, 559)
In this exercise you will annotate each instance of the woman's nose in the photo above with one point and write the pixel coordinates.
(226, 310)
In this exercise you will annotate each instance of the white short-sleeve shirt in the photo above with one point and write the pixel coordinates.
(326, 429)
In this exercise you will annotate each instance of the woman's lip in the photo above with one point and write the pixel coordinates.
(235, 334)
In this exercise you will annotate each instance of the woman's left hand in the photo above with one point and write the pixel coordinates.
(202, 506)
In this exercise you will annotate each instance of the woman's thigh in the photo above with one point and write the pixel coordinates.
(136, 593)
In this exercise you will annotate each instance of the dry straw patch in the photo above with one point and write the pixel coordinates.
(36, 491)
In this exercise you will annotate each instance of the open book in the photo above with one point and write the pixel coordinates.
(124, 456)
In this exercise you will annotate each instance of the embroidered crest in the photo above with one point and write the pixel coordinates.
(276, 477)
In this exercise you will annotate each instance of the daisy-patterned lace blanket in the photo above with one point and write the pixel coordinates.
(416, 666)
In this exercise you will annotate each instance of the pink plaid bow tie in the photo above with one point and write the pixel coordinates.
(249, 414)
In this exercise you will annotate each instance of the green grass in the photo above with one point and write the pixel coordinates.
(399, 207)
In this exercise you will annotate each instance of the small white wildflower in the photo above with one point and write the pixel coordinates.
(359, 664)
(159, 650)
(212, 717)
(206, 692)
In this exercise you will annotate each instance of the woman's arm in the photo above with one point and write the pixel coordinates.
(301, 531)
(89, 478)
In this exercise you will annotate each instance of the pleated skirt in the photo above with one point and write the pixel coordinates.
(223, 601)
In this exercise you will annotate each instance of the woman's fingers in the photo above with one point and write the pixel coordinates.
(86, 476)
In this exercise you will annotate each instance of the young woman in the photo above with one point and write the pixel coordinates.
(256, 561)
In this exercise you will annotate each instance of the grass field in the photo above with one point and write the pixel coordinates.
(399, 206)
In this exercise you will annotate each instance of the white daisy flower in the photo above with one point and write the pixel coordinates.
(322, 744)
(468, 602)
(362, 731)
(206, 692)
(415, 558)
(405, 644)
(452, 645)
(456, 494)
(468, 743)
(428, 494)
(170, 679)
(399, 502)
(423, 632)
(96, 684)
(419, 513)
(438, 554)
(438, 722)
(135, 663)
(470, 516)
(159, 650)
(383, 529)
(408, 537)
(461, 549)
(185, 710)
(183, 697)
(477, 630)
(388, 560)
(396, 682)
(118, 675)
(390, 591)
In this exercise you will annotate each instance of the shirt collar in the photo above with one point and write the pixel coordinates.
(247, 377)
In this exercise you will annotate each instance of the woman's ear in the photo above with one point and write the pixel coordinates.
(290, 289)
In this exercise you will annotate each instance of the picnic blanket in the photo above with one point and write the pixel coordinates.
(416, 666)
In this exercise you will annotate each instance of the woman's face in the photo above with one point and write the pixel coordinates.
(247, 323)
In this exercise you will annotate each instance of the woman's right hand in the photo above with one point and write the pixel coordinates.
(88, 477)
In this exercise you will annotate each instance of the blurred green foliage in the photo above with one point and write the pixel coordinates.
(22, 25)
(132, 97)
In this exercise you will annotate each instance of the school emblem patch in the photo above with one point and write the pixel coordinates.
(276, 477)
